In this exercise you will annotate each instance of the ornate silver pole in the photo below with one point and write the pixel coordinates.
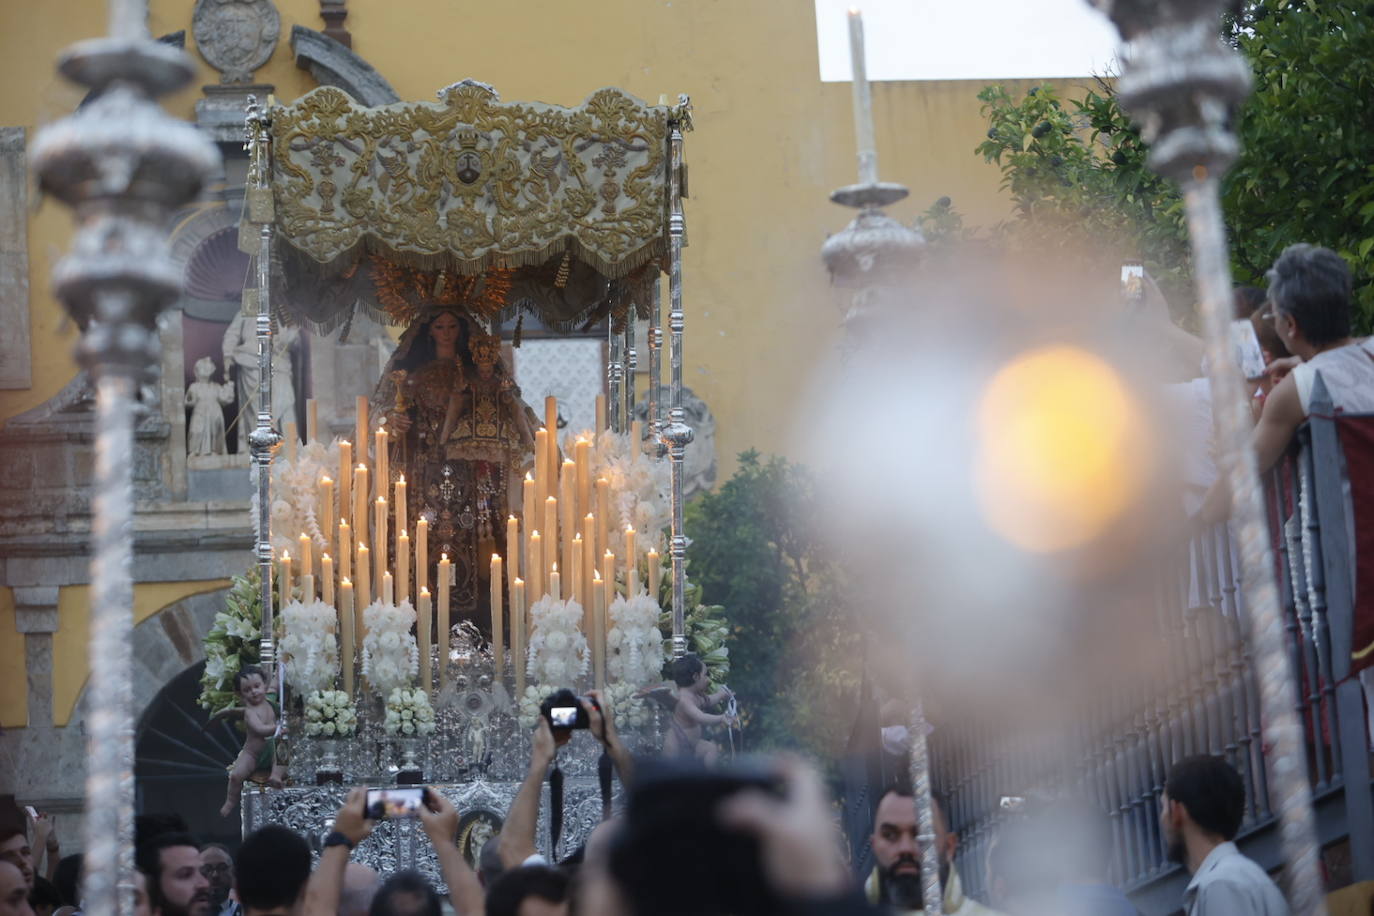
(263, 441)
(677, 434)
(631, 365)
(124, 167)
(1183, 85)
(932, 895)
(615, 375)
(654, 338)
(875, 256)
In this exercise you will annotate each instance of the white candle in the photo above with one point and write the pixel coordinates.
(603, 519)
(388, 589)
(536, 566)
(608, 573)
(307, 588)
(600, 415)
(327, 578)
(345, 548)
(307, 566)
(422, 627)
(284, 580)
(567, 498)
(422, 552)
(346, 633)
(360, 519)
(402, 517)
(582, 452)
(498, 642)
(402, 567)
(550, 531)
(512, 550)
(554, 591)
(379, 538)
(599, 631)
(441, 637)
(551, 424)
(575, 572)
(382, 462)
(364, 580)
(655, 574)
(312, 420)
(517, 636)
(291, 438)
(630, 564)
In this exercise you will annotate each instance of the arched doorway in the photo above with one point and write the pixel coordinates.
(180, 759)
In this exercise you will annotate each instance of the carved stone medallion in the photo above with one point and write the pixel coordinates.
(236, 37)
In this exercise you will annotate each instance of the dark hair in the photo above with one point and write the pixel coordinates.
(902, 786)
(44, 893)
(247, 671)
(1312, 285)
(421, 350)
(407, 883)
(510, 890)
(147, 826)
(489, 865)
(1211, 791)
(271, 868)
(7, 832)
(67, 877)
(148, 859)
(685, 669)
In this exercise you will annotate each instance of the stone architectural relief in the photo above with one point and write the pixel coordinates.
(236, 37)
(14, 261)
(699, 468)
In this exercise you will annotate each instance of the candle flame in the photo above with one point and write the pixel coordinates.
(404, 535)
(424, 591)
(286, 555)
(519, 581)
(381, 499)
(324, 556)
(362, 546)
(551, 499)
(325, 479)
(596, 575)
(495, 556)
(443, 558)
(402, 479)
(555, 567)
(577, 539)
(534, 534)
(345, 442)
(343, 523)
(361, 466)
(529, 476)
(630, 529)
(346, 583)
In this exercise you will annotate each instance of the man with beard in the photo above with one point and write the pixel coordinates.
(15, 849)
(217, 865)
(1200, 811)
(896, 880)
(176, 886)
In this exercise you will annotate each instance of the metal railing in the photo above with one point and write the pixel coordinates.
(1206, 700)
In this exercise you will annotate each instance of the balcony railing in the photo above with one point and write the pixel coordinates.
(1207, 699)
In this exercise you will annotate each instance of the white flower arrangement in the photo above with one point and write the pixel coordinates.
(408, 712)
(558, 652)
(640, 492)
(390, 656)
(634, 643)
(627, 705)
(296, 495)
(309, 648)
(330, 714)
(533, 697)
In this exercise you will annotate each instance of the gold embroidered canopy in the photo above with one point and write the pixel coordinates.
(469, 186)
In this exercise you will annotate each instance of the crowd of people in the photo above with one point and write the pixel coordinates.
(762, 838)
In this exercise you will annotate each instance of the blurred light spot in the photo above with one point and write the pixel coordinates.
(1062, 449)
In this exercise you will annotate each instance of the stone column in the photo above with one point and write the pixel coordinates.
(35, 617)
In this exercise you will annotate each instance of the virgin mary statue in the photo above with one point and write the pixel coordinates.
(463, 438)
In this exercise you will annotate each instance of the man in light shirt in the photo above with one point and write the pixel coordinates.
(1200, 811)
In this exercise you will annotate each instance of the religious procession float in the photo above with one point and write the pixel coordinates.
(421, 587)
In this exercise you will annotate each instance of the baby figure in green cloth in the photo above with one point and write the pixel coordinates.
(261, 728)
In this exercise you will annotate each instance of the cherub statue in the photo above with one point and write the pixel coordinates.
(206, 398)
(690, 715)
(262, 728)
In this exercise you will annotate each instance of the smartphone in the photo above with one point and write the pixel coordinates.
(33, 813)
(1133, 284)
(1245, 349)
(394, 803)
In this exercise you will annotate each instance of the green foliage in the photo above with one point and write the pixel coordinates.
(1077, 173)
(232, 643)
(707, 631)
(755, 549)
(1305, 173)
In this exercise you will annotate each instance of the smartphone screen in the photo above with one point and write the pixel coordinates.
(563, 716)
(388, 804)
(1132, 284)
(1245, 349)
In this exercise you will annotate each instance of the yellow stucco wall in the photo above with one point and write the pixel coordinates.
(771, 142)
(69, 644)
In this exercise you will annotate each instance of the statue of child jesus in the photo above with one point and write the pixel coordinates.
(689, 715)
(261, 728)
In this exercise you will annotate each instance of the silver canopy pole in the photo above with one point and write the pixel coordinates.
(124, 167)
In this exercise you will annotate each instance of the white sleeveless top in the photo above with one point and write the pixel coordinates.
(1348, 373)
